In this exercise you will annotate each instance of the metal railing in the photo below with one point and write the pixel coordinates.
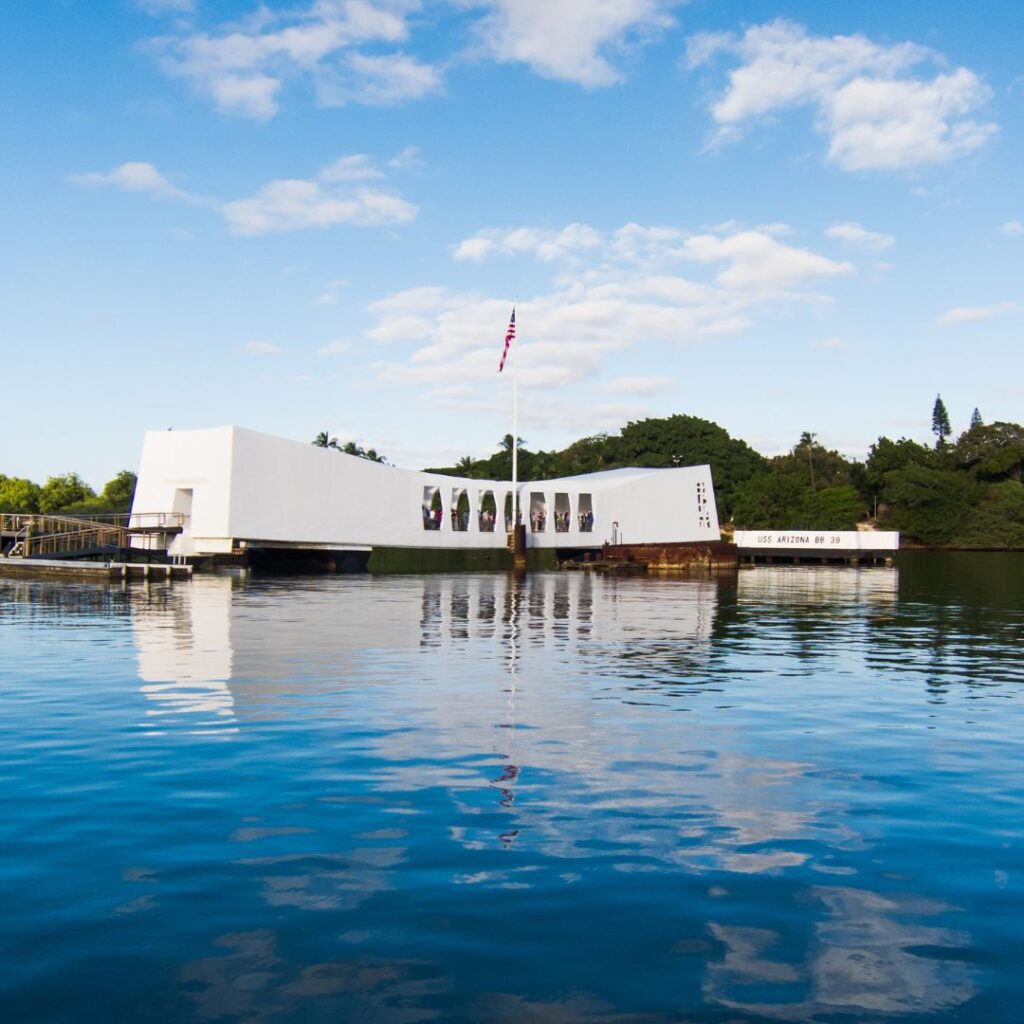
(156, 521)
(36, 535)
(40, 535)
(11, 522)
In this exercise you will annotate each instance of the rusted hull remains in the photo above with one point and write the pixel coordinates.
(696, 556)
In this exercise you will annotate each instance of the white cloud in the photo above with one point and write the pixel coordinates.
(1012, 227)
(377, 80)
(608, 293)
(754, 258)
(407, 159)
(329, 296)
(637, 385)
(292, 204)
(350, 51)
(856, 234)
(261, 348)
(136, 176)
(545, 244)
(974, 314)
(879, 107)
(295, 204)
(568, 40)
(335, 348)
(760, 262)
(282, 205)
(166, 6)
(252, 96)
(827, 344)
(475, 249)
(357, 167)
(242, 66)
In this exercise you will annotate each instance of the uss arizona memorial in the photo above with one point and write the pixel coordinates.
(234, 489)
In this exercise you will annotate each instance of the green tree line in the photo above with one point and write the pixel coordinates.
(67, 494)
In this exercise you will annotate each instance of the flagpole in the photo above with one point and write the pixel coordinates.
(515, 429)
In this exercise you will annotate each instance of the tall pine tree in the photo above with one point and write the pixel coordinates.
(940, 422)
(976, 420)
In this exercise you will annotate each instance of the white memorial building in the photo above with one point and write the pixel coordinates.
(229, 489)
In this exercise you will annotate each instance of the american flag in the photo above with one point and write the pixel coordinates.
(509, 335)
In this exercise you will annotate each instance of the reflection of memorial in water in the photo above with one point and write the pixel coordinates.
(576, 652)
(569, 718)
(831, 585)
(814, 615)
(183, 645)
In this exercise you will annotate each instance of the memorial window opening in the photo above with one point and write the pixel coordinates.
(460, 510)
(433, 513)
(563, 513)
(585, 513)
(538, 512)
(487, 512)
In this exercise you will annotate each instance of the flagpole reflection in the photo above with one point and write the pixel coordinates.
(506, 782)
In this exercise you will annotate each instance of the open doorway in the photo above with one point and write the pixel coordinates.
(182, 503)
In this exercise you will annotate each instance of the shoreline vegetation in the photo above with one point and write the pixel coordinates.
(67, 494)
(965, 494)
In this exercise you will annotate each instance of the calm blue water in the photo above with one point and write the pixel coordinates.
(793, 796)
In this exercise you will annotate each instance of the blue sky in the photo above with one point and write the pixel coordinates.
(317, 214)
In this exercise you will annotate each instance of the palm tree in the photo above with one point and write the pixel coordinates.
(324, 440)
(808, 441)
(465, 465)
(370, 454)
(505, 444)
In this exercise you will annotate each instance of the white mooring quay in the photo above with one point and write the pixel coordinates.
(856, 547)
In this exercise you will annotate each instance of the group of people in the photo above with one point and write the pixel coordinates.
(538, 520)
(432, 519)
